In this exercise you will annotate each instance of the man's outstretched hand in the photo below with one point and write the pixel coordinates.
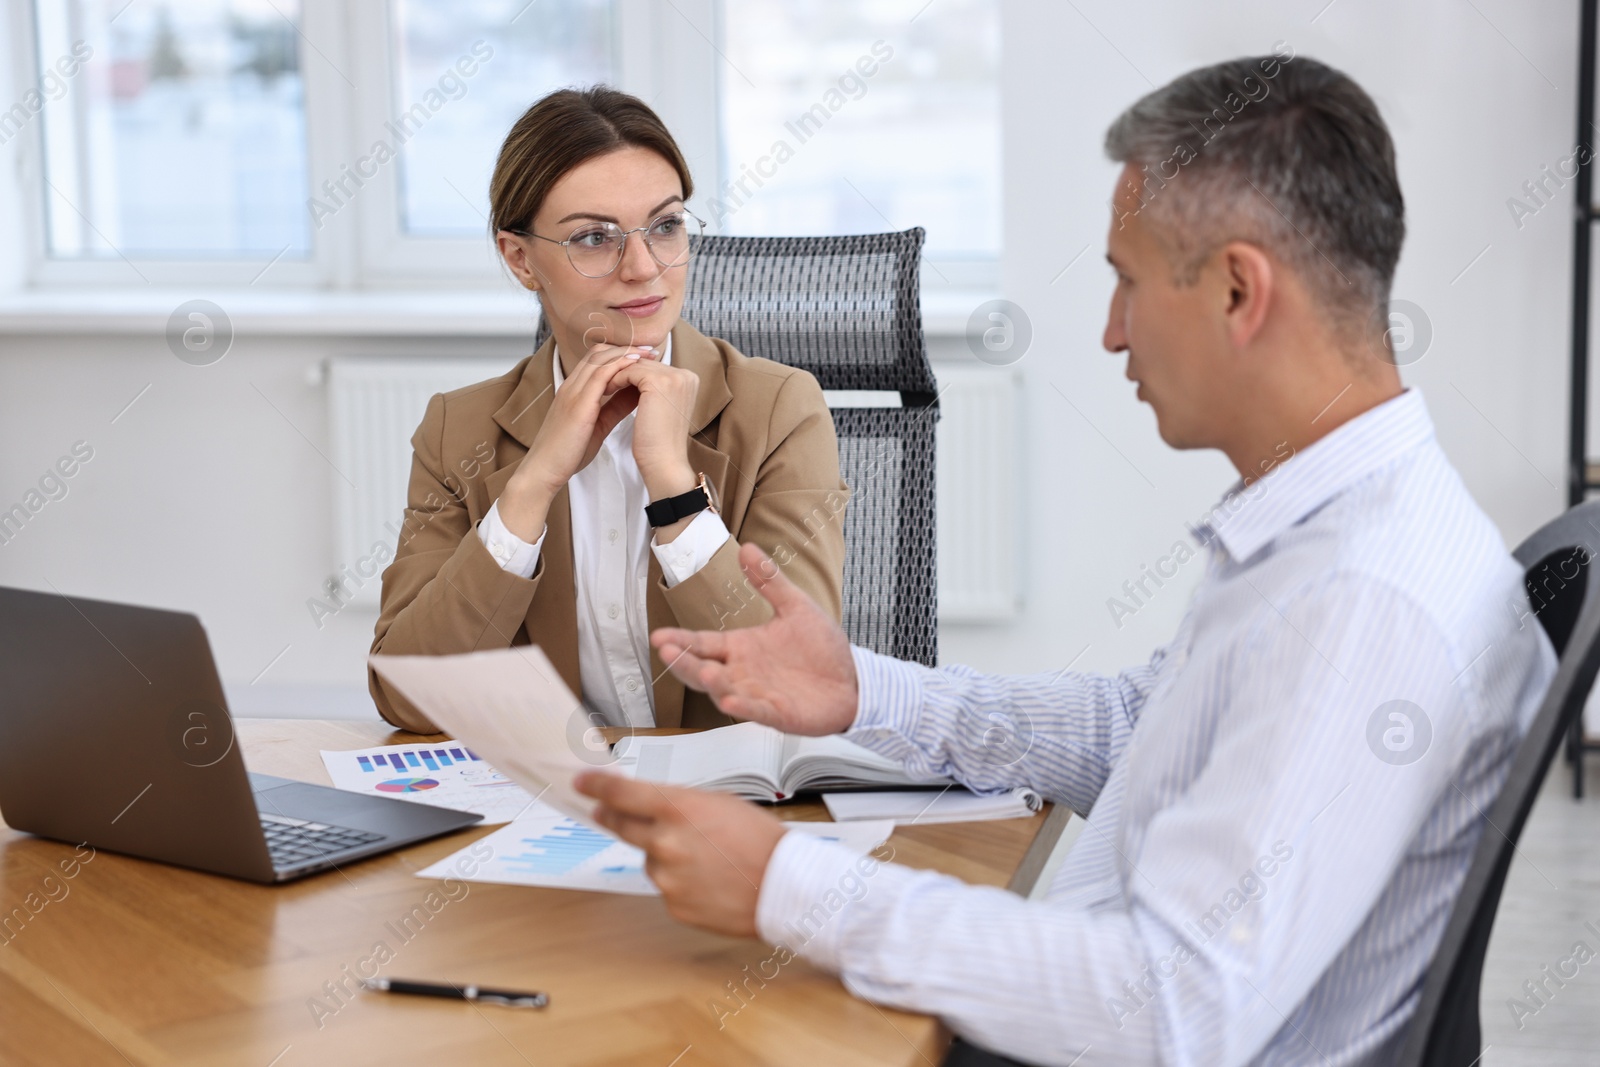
(793, 672)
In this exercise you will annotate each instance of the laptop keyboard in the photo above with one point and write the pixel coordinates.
(293, 842)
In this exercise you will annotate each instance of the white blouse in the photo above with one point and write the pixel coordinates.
(610, 570)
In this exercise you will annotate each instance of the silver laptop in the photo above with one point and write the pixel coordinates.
(114, 731)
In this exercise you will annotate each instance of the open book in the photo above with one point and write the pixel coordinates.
(759, 763)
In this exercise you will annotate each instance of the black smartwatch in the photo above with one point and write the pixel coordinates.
(666, 512)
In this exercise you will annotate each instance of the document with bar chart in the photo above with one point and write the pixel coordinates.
(545, 848)
(447, 775)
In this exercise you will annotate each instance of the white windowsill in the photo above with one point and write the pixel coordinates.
(275, 312)
(389, 313)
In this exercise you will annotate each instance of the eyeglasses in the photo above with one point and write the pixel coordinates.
(595, 248)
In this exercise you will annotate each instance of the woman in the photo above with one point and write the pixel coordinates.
(527, 518)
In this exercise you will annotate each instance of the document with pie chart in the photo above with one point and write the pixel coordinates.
(447, 775)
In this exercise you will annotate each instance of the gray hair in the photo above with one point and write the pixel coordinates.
(1286, 153)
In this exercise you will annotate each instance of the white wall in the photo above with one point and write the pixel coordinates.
(203, 497)
(1472, 120)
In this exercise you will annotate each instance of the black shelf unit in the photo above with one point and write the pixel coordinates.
(1583, 472)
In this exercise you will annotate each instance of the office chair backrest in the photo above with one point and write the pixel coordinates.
(1561, 582)
(847, 309)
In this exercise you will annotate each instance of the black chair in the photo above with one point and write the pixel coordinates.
(1561, 585)
(1560, 582)
(962, 1054)
(848, 310)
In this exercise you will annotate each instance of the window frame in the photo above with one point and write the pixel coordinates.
(43, 271)
(362, 246)
(958, 277)
(386, 255)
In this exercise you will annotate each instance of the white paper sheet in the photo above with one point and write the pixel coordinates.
(513, 709)
(447, 774)
(924, 807)
(543, 848)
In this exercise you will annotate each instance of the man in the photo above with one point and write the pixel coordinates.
(1283, 802)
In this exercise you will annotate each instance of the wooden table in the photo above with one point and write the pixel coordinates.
(136, 962)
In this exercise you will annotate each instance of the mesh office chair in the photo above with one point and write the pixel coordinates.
(1561, 586)
(847, 310)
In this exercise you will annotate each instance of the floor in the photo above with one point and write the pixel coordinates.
(1552, 891)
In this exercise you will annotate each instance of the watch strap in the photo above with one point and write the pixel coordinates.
(668, 511)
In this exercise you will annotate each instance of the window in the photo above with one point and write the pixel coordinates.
(445, 168)
(862, 117)
(349, 143)
(185, 135)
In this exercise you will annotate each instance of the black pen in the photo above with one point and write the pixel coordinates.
(456, 992)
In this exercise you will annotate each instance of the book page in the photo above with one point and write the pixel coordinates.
(723, 758)
(836, 753)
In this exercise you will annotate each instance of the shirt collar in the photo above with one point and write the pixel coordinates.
(1246, 519)
(555, 354)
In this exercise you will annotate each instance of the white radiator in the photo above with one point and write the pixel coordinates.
(977, 479)
(374, 406)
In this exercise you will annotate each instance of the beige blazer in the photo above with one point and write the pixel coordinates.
(760, 432)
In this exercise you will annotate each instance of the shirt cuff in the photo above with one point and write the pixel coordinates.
(692, 549)
(808, 885)
(888, 704)
(510, 551)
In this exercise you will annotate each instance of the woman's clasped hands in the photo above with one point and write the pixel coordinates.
(608, 384)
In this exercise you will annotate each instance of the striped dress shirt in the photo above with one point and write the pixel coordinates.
(1281, 805)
